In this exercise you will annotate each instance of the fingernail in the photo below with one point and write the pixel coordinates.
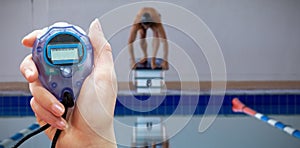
(28, 73)
(58, 110)
(62, 124)
(98, 24)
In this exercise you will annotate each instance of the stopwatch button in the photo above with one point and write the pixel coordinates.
(53, 85)
(39, 49)
(78, 83)
(66, 71)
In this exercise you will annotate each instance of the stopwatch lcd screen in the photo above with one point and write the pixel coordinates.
(64, 54)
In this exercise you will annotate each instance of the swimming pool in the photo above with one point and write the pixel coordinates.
(283, 105)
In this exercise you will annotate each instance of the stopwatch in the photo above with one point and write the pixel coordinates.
(63, 55)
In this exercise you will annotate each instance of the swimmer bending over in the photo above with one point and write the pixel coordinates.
(148, 18)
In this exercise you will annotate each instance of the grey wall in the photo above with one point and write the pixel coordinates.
(259, 38)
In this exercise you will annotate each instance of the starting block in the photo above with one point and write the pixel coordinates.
(149, 131)
(148, 80)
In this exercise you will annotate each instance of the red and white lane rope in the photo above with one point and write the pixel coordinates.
(238, 106)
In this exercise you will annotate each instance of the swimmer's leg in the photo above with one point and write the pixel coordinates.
(143, 44)
(155, 44)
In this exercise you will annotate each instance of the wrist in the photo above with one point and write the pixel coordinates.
(91, 140)
(105, 138)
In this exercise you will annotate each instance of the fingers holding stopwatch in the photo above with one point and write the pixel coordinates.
(29, 39)
(45, 103)
(43, 114)
(28, 69)
(46, 106)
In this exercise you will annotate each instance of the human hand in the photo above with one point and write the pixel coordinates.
(91, 121)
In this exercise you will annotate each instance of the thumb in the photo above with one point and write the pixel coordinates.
(97, 39)
(103, 59)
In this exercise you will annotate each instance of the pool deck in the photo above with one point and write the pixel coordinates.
(203, 86)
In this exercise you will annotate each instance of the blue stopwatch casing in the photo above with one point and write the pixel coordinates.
(64, 58)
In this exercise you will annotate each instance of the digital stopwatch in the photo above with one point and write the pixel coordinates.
(64, 58)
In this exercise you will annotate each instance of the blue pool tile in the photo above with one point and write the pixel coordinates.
(13, 101)
(203, 100)
(227, 100)
(282, 100)
(189, 104)
(291, 100)
(297, 99)
(259, 99)
(200, 110)
(268, 99)
(252, 100)
(24, 101)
